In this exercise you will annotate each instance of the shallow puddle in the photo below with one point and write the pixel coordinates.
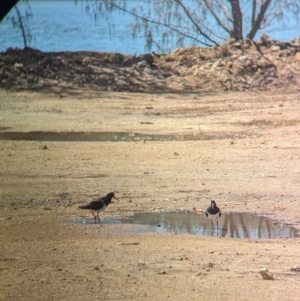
(92, 136)
(236, 225)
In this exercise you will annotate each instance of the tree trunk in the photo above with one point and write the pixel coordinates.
(260, 17)
(21, 25)
(237, 20)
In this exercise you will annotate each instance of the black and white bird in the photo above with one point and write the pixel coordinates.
(99, 205)
(213, 212)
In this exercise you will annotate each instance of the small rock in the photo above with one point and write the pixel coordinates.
(147, 57)
(180, 258)
(47, 208)
(265, 274)
(141, 262)
(275, 48)
(198, 210)
(237, 45)
(86, 61)
(31, 79)
(296, 268)
(297, 56)
(296, 41)
(18, 66)
(163, 272)
(45, 147)
(266, 40)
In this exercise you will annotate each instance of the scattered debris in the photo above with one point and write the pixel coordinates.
(236, 66)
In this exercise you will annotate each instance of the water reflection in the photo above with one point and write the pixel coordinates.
(237, 225)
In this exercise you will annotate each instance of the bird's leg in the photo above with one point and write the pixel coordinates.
(98, 217)
(94, 217)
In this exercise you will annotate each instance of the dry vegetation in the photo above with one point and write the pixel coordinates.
(236, 66)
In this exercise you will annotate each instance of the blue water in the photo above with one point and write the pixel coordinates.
(66, 26)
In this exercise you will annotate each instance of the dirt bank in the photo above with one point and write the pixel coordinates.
(235, 66)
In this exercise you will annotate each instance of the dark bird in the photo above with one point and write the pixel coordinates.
(213, 212)
(99, 205)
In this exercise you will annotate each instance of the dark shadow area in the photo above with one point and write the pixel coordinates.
(110, 136)
(93, 136)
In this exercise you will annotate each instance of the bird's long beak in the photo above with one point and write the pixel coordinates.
(116, 198)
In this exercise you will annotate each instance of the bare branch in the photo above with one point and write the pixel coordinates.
(172, 27)
(217, 18)
(225, 11)
(20, 23)
(259, 19)
(253, 12)
(194, 23)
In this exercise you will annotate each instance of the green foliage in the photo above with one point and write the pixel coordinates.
(200, 22)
